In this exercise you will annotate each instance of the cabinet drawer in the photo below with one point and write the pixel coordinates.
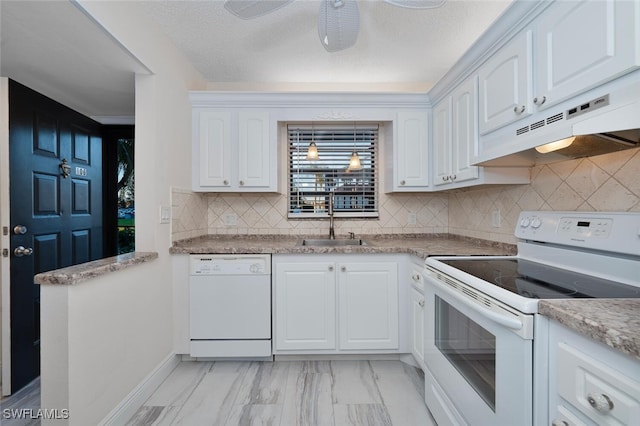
(601, 393)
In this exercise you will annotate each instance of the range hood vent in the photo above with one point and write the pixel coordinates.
(609, 131)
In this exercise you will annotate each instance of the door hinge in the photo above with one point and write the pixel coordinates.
(5, 230)
(5, 252)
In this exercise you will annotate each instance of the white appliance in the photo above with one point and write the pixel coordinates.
(480, 350)
(230, 306)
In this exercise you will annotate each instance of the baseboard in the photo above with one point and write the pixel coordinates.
(131, 403)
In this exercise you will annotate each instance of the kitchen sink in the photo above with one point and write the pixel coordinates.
(326, 242)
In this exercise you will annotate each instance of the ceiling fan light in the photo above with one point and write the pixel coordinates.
(338, 26)
(249, 9)
(416, 4)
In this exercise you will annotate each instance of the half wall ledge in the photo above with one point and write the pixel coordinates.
(85, 271)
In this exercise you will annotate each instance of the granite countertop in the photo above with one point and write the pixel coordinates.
(85, 271)
(614, 322)
(421, 245)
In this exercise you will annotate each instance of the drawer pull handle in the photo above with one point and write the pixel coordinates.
(519, 109)
(601, 403)
(559, 423)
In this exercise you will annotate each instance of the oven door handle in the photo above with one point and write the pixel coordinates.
(506, 321)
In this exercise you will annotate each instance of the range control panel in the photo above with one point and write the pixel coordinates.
(607, 231)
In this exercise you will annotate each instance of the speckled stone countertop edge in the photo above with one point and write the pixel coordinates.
(413, 244)
(85, 271)
(613, 322)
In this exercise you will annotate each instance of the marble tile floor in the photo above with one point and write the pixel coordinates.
(288, 393)
(27, 398)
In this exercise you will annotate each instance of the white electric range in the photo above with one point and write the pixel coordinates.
(480, 337)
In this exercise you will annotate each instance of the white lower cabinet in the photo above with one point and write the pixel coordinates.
(589, 382)
(328, 305)
(305, 305)
(417, 328)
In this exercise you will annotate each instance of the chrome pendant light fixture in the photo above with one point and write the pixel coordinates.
(354, 162)
(312, 151)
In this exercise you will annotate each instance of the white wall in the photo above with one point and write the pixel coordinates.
(120, 325)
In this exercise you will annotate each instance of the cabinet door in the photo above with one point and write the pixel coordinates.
(442, 142)
(214, 143)
(254, 150)
(464, 135)
(505, 85)
(412, 145)
(580, 45)
(305, 306)
(417, 329)
(368, 305)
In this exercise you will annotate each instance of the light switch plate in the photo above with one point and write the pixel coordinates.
(411, 218)
(495, 218)
(165, 214)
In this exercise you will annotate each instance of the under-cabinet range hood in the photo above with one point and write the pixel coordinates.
(595, 127)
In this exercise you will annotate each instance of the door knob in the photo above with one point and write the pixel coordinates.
(21, 251)
(19, 229)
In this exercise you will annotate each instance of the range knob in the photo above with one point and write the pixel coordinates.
(525, 222)
(536, 223)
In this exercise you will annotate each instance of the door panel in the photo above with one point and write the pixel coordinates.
(62, 213)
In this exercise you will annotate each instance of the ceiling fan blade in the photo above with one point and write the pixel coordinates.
(338, 24)
(416, 4)
(249, 9)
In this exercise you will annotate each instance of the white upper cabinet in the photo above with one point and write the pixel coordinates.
(455, 142)
(505, 84)
(213, 145)
(580, 45)
(464, 135)
(442, 142)
(233, 151)
(411, 151)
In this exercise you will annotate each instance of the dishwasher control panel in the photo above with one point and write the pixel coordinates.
(230, 265)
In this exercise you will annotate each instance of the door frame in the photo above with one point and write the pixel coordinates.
(5, 272)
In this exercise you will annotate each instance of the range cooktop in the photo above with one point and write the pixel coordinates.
(538, 281)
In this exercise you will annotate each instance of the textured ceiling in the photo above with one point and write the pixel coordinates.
(397, 48)
(54, 48)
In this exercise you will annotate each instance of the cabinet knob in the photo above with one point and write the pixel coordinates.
(421, 303)
(539, 100)
(601, 402)
(343, 269)
(559, 423)
(330, 268)
(226, 182)
(453, 177)
(415, 277)
(519, 109)
(402, 182)
(241, 183)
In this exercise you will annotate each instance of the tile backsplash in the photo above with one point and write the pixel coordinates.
(604, 183)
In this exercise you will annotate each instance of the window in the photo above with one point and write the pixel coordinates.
(311, 181)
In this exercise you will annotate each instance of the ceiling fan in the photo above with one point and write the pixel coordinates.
(338, 20)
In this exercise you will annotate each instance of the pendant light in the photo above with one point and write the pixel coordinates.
(312, 151)
(354, 162)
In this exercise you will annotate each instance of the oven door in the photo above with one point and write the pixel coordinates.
(478, 354)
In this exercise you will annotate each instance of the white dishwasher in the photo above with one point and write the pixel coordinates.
(230, 305)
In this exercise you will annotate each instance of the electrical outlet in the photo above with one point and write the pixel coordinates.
(411, 218)
(495, 218)
(230, 219)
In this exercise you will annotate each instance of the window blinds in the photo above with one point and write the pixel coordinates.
(312, 180)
